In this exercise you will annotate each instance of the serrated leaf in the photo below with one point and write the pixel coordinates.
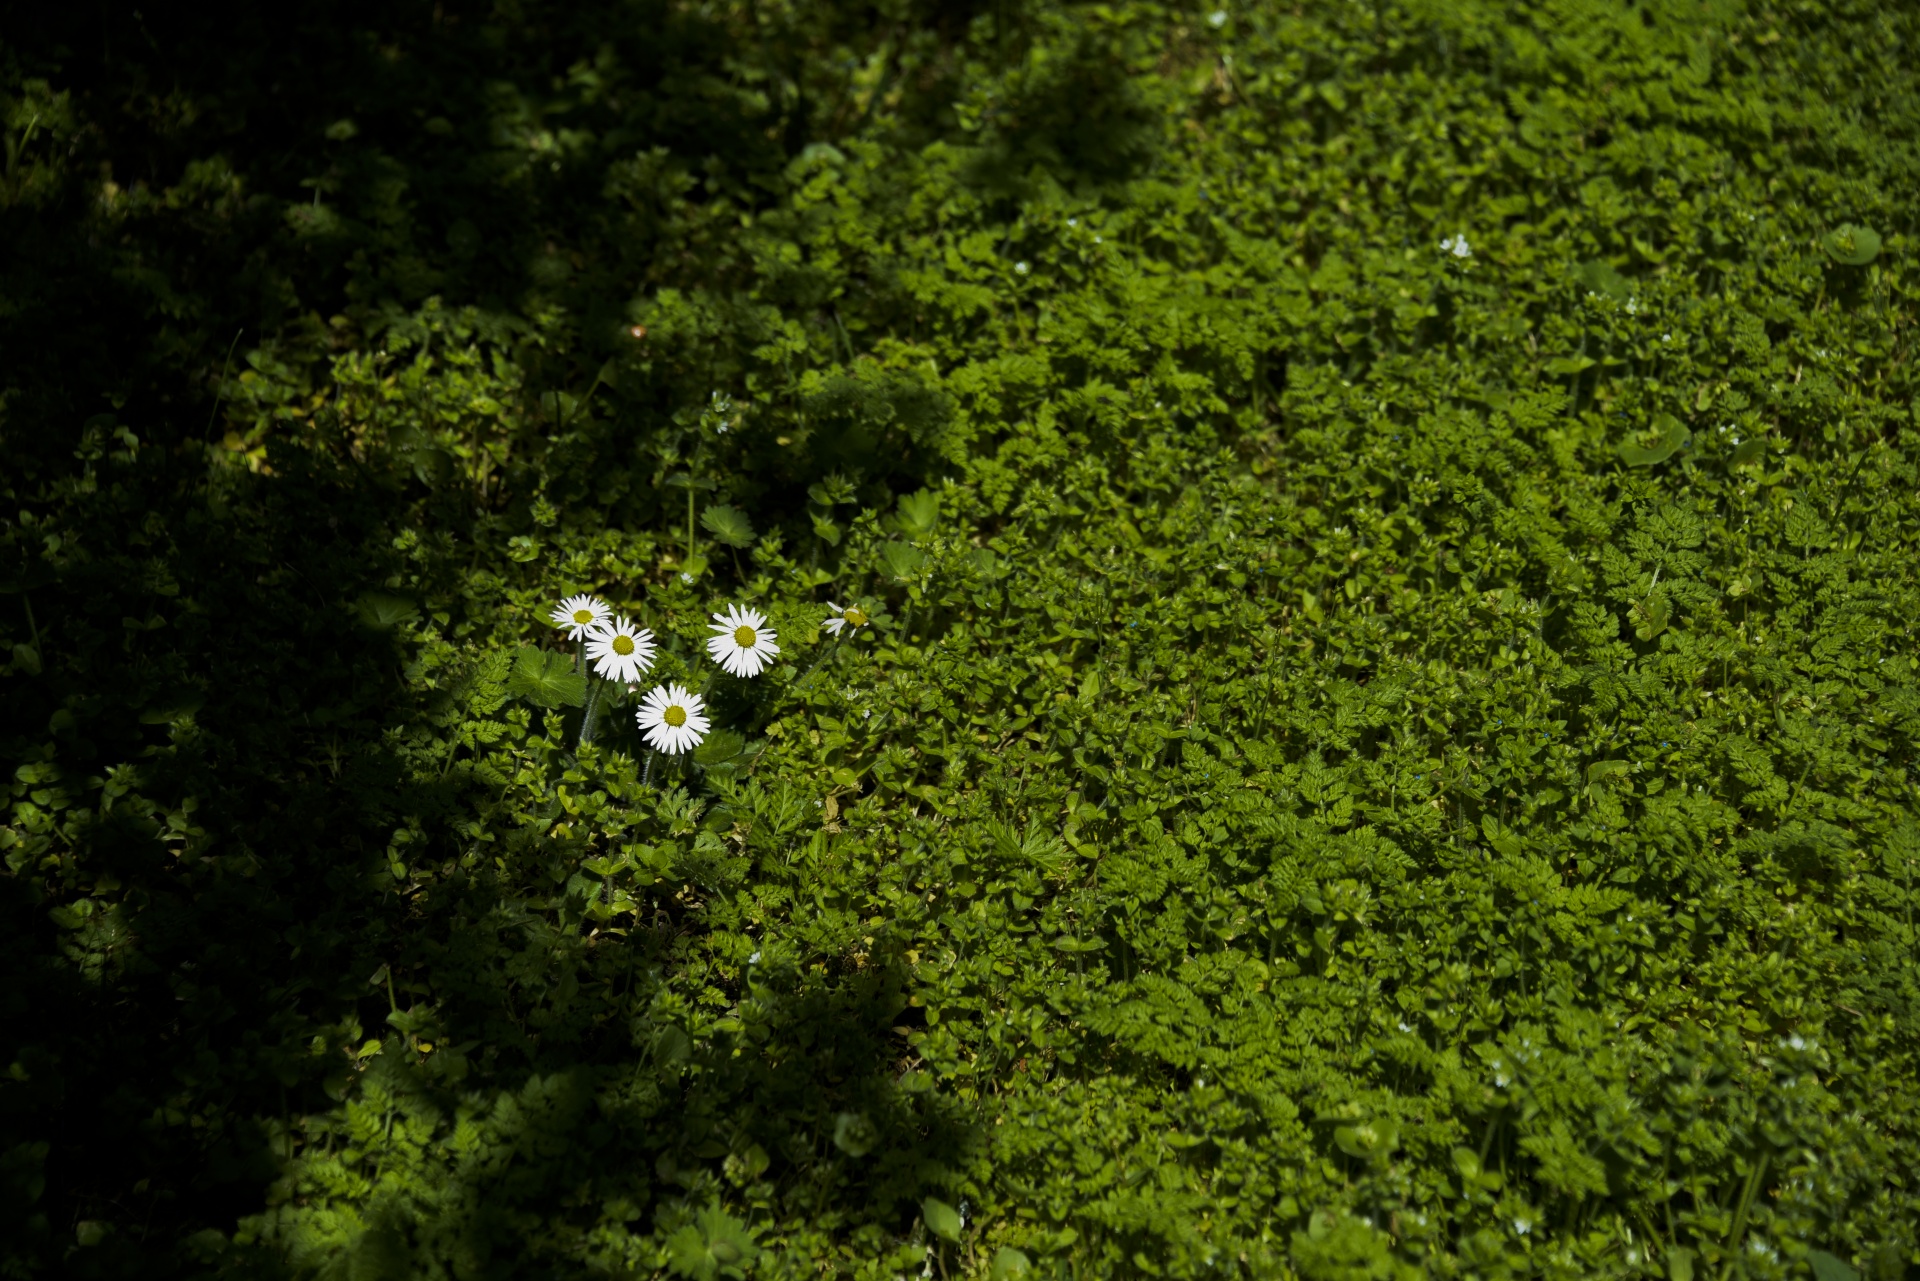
(1748, 452)
(383, 612)
(901, 560)
(1602, 278)
(919, 513)
(728, 524)
(720, 748)
(546, 679)
(715, 1244)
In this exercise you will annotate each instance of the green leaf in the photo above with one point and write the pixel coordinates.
(1602, 278)
(1570, 364)
(715, 1244)
(942, 1219)
(1600, 771)
(1009, 1264)
(1748, 452)
(382, 612)
(728, 524)
(1655, 445)
(1649, 616)
(172, 705)
(919, 513)
(1830, 1267)
(854, 1134)
(1371, 1140)
(1679, 1263)
(721, 745)
(546, 679)
(901, 561)
(725, 753)
(1853, 245)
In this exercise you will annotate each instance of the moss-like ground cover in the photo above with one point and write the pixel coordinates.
(1384, 743)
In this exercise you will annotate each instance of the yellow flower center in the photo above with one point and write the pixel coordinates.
(745, 637)
(675, 716)
(855, 616)
(583, 616)
(623, 645)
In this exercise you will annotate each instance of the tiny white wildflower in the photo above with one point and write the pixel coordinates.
(1020, 267)
(849, 616)
(1633, 306)
(1098, 240)
(1073, 222)
(620, 650)
(1457, 246)
(1523, 1226)
(754, 959)
(576, 614)
(745, 644)
(673, 719)
(686, 577)
(1218, 18)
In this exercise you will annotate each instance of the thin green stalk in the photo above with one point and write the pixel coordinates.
(592, 713)
(831, 651)
(224, 366)
(1746, 1201)
(689, 519)
(646, 777)
(31, 624)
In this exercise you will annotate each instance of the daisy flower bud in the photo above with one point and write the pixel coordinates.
(619, 650)
(849, 616)
(577, 615)
(745, 644)
(673, 719)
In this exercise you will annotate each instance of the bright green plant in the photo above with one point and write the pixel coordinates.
(1346, 703)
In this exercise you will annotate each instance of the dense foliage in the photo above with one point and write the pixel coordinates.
(1385, 745)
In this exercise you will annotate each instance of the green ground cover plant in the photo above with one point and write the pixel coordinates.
(1367, 728)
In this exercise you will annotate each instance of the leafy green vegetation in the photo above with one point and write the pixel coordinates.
(1379, 736)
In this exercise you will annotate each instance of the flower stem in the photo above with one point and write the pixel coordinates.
(592, 713)
(689, 517)
(646, 779)
(831, 651)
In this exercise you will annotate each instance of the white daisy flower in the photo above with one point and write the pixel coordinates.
(576, 615)
(850, 616)
(673, 719)
(744, 646)
(620, 650)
